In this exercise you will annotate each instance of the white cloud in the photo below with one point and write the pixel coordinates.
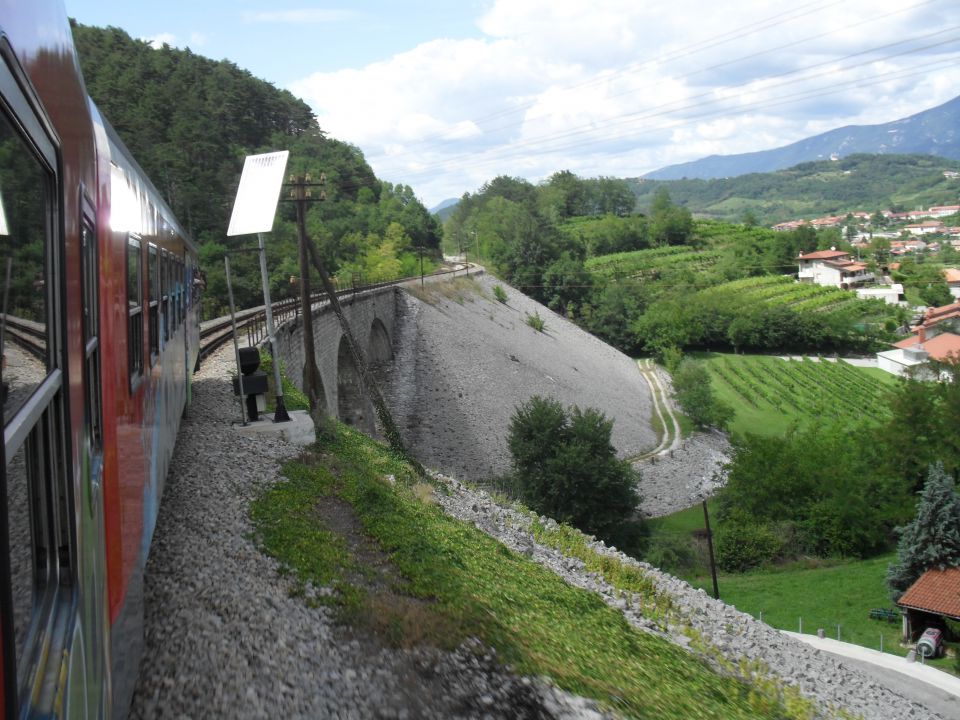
(161, 39)
(617, 87)
(197, 40)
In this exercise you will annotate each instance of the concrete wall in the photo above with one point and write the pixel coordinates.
(372, 317)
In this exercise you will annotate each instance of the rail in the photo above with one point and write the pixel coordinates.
(252, 321)
(27, 334)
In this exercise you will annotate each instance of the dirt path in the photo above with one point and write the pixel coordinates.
(671, 435)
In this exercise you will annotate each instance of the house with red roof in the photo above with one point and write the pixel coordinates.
(933, 597)
(910, 357)
(927, 227)
(832, 268)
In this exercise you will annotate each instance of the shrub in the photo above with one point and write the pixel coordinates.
(742, 545)
(566, 468)
(500, 294)
(691, 384)
(672, 553)
(536, 322)
(671, 356)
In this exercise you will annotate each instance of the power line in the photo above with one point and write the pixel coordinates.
(640, 114)
(529, 147)
(716, 41)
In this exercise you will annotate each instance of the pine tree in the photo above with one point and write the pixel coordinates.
(932, 540)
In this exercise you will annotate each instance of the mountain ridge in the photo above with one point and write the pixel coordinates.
(930, 132)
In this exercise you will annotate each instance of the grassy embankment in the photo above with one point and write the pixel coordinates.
(440, 581)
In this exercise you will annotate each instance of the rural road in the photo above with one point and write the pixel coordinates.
(935, 689)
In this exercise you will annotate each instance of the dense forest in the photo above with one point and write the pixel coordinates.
(190, 121)
(857, 182)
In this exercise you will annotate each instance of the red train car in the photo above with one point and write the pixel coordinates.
(99, 332)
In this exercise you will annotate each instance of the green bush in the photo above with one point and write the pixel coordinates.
(536, 322)
(742, 545)
(567, 469)
(691, 385)
(500, 294)
(671, 553)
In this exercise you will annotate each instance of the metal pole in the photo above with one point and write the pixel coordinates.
(280, 415)
(310, 372)
(6, 297)
(713, 564)
(420, 250)
(236, 346)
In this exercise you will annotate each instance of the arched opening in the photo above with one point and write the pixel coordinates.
(353, 406)
(379, 347)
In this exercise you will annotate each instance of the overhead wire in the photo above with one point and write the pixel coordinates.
(709, 98)
(716, 41)
(710, 68)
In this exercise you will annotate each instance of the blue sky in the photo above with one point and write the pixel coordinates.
(445, 95)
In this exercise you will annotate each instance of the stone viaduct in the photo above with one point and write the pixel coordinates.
(372, 316)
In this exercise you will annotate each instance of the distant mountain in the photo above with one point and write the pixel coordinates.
(932, 132)
(445, 208)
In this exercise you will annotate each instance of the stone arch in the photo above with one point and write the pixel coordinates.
(379, 347)
(353, 405)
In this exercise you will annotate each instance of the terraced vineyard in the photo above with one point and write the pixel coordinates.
(651, 263)
(769, 394)
(783, 290)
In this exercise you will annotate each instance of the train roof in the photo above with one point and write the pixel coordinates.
(118, 150)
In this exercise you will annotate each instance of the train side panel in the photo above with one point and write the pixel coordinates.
(145, 316)
(100, 292)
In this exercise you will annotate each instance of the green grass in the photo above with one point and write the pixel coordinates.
(682, 521)
(768, 394)
(460, 583)
(823, 594)
(293, 398)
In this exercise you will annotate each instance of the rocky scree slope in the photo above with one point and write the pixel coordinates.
(463, 361)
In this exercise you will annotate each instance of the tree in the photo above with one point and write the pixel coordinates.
(566, 468)
(936, 294)
(932, 540)
(691, 385)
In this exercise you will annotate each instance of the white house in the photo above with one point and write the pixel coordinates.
(917, 350)
(832, 268)
(890, 294)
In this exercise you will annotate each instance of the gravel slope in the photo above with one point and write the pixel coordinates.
(463, 364)
(224, 638)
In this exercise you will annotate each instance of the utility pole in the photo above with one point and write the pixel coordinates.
(300, 195)
(420, 250)
(713, 564)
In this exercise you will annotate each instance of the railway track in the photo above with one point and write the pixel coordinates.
(27, 334)
(31, 336)
(214, 333)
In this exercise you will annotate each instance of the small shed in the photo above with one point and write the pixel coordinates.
(933, 597)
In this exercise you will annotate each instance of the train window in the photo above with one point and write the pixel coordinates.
(165, 292)
(183, 291)
(35, 564)
(91, 333)
(134, 309)
(153, 290)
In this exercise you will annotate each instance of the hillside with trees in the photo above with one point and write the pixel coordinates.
(649, 283)
(193, 122)
(812, 189)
